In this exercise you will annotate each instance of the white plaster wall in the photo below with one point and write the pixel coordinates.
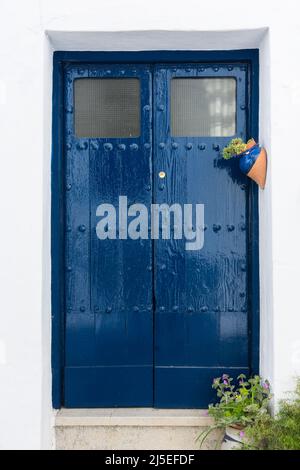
(25, 120)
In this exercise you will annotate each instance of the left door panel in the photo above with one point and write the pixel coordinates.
(108, 281)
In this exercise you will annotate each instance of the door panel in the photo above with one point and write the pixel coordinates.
(109, 323)
(201, 315)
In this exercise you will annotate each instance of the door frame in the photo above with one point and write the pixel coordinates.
(62, 58)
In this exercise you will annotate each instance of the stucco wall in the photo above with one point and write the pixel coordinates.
(25, 120)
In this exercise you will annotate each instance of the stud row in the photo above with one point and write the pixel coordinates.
(175, 308)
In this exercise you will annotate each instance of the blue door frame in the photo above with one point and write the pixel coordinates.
(249, 57)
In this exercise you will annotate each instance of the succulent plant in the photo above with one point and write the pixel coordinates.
(235, 147)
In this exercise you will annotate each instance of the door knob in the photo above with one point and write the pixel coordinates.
(162, 174)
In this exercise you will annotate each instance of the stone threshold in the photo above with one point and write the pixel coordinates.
(132, 417)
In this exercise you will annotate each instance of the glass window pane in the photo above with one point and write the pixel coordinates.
(107, 107)
(203, 107)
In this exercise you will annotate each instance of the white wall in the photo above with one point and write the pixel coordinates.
(25, 119)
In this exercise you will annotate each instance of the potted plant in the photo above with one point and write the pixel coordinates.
(253, 159)
(238, 408)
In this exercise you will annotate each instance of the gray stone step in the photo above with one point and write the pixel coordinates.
(131, 428)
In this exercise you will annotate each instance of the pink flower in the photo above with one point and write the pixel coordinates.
(225, 382)
(266, 385)
(242, 434)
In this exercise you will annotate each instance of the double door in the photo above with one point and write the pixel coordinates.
(156, 222)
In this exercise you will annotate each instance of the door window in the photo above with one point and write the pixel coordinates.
(107, 107)
(203, 107)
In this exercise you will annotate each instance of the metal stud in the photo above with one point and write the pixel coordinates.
(133, 147)
(204, 309)
(80, 71)
(69, 268)
(202, 146)
(82, 146)
(148, 187)
(243, 107)
(161, 187)
(190, 309)
(243, 267)
(108, 72)
(230, 228)
(108, 309)
(82, 308)
(69, 109)
(215, 69)
(217, 309)
(161, 145)
(175, 308)
(69, 228)
(243, 227)
(147, 145)
(242, 294)
(162, 308)
(146, 107)
(135, 308)
(122, 147)
(230, 309)
(229, 68)
(82, 228)
(243, 68)
(161, 107)
(94, 145)
(68, 186)
(216, 227)
(189, 146)
(202, 69)
(96, 308)
(174, 145)
(244, 308)
(149, 268)
(68, 146)
(108, 146)
(216, 147)
(162, 267)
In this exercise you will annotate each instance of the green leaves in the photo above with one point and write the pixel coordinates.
(281, 432)
(239, 404)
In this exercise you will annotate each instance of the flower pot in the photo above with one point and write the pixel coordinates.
(253, 163)
(233, 438)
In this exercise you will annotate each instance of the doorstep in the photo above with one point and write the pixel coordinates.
(131, 429)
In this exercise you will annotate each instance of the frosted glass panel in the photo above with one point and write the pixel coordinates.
(203, 107)
(107, 107)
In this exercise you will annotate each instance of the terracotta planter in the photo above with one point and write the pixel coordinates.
(233, 438)
(253, 163)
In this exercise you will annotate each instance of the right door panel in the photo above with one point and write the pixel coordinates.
(201, 306)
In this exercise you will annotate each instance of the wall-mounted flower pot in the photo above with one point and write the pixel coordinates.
(253, 162)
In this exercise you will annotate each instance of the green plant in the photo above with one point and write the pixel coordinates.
(235, 147)
(238, 406)
(281, 432)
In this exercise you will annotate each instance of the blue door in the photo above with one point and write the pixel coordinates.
(149, 322)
